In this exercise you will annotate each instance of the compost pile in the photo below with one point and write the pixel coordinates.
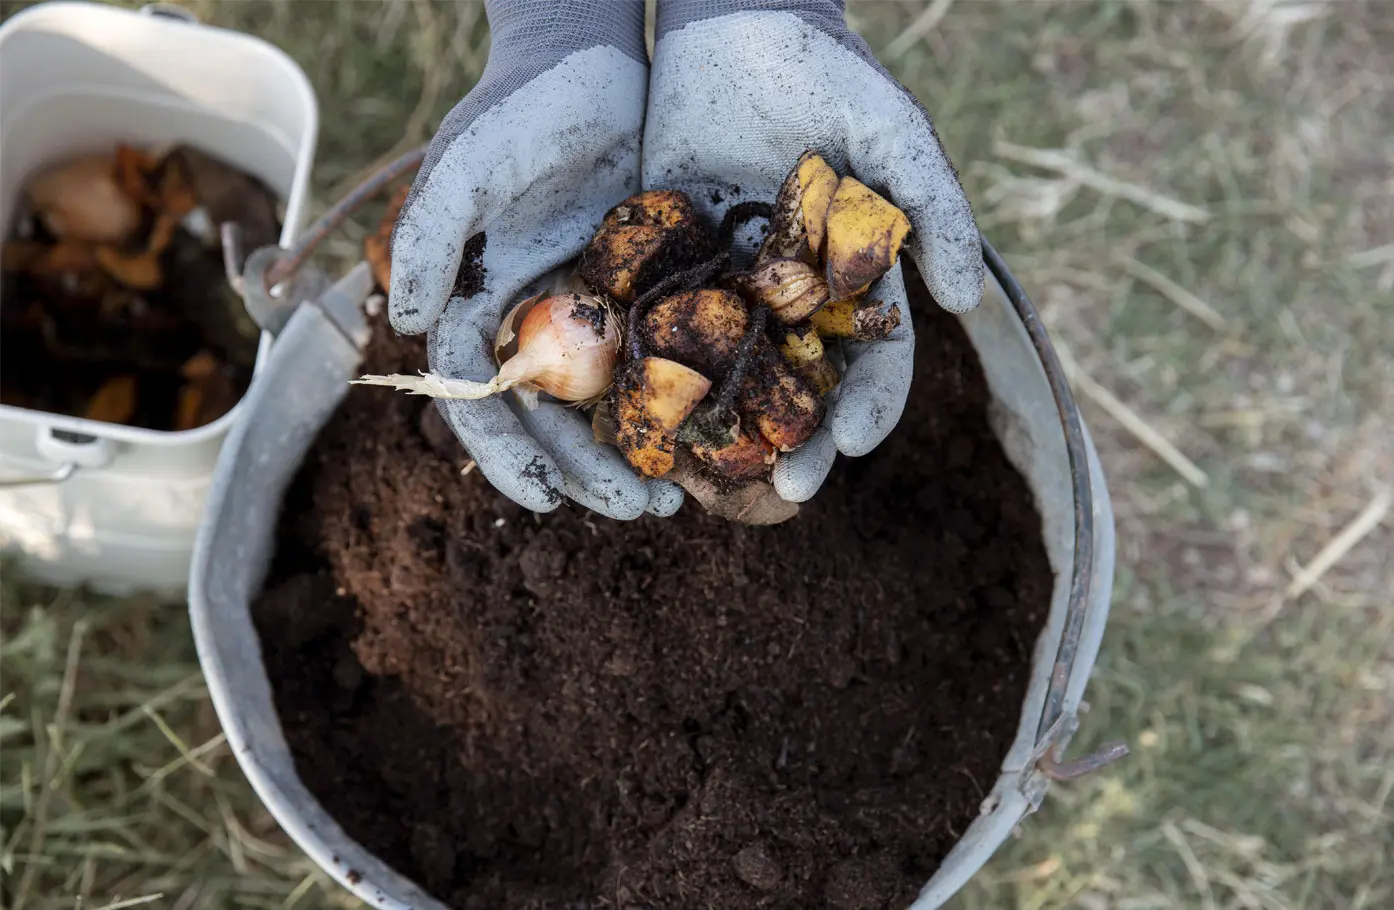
(559, 711)
(116, 305)
(699, 372)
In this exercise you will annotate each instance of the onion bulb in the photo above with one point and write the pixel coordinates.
(567, 345)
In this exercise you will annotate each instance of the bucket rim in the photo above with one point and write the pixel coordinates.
(1053, 729)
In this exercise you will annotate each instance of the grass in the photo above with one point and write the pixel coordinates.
(1263, 747)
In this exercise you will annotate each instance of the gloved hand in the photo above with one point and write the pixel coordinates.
(544, 144)
(738, 91)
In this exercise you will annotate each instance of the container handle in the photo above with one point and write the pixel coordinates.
(83, 450)
(70, 451)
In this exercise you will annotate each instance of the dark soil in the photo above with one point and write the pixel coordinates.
(560, 711)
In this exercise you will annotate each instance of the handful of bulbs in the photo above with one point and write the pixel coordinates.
(695, 372)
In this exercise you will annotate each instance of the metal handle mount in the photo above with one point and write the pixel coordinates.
(69, 451)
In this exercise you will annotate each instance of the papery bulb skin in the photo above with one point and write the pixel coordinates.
(567, 347)
(791, 288)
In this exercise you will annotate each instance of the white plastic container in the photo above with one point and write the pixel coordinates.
(115, 507)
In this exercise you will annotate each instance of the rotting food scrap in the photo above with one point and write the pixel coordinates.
(116, 306)
(641, 241)
(377, 250)
(720, 371)
(377, 246)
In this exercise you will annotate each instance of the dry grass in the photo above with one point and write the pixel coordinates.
(1200, 197)
(115, 782)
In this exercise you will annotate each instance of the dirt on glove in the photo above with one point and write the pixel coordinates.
(562, 711)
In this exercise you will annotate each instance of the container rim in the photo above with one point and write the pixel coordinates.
(1052, 729)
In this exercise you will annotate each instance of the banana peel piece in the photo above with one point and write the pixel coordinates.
(801, 345)
(857, 320)
(803, 348)
(820, 375)
(820, 183)
(800, 211)
(649, 401)
(864, 235)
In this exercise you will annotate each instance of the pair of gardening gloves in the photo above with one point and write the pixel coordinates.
(569, 118)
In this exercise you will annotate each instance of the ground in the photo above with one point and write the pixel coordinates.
(1200, 197)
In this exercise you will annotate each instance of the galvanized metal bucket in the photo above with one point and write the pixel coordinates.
(296, 393)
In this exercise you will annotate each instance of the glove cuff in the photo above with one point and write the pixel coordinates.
(825, 15)
(528, 28)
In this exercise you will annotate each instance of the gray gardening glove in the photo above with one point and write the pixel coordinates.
(739, 90)
(545, 143)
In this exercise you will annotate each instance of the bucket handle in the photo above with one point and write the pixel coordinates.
(1054, 725)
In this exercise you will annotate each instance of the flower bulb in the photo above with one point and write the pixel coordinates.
(566, 346)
